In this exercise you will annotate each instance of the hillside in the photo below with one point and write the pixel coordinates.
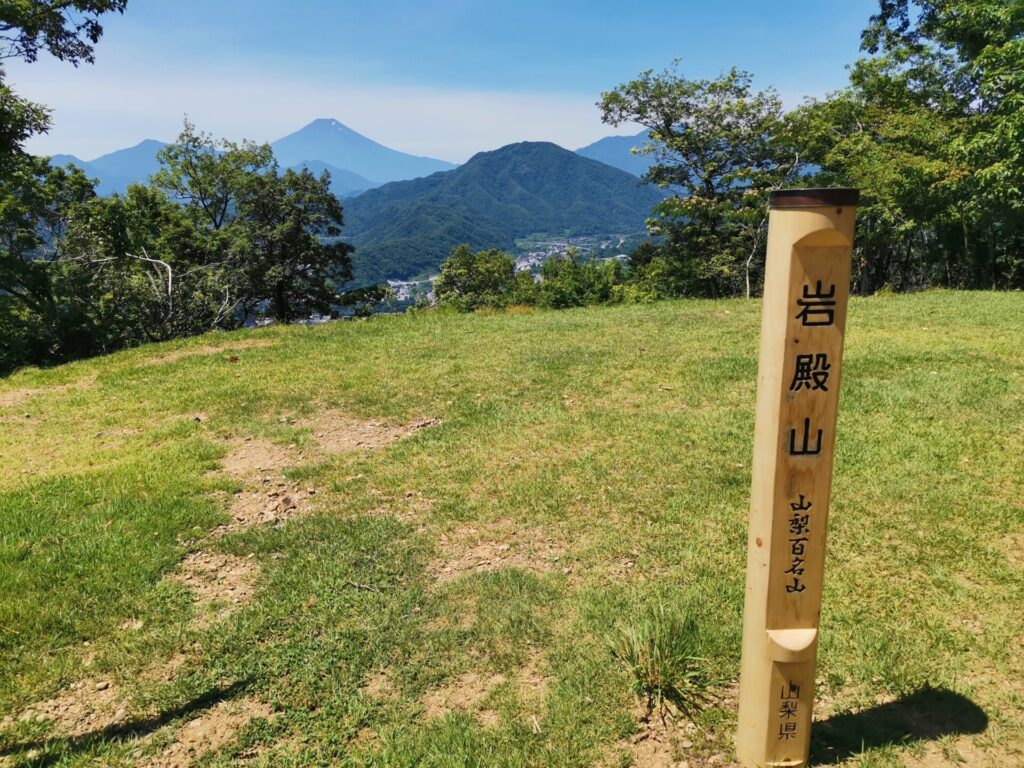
(336, 144)
(405, 228)
(378, 543)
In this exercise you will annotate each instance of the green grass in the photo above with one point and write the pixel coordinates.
(620, 435)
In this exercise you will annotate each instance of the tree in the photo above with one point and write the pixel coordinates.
(153, 274)
(37, 322)
(223, 238)
(932, 131)
(209, 177)
(37, 204)
(568, 280)
(286, 243)
(643, 254)
(721, 146)
(470, 281)
(20, 120)
(66, 29)
(276, 236)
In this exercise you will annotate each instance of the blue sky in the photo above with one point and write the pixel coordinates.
(445, 78)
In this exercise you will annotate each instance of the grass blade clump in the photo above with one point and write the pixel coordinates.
(659, 651)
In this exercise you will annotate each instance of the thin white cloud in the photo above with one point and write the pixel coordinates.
(113, 104)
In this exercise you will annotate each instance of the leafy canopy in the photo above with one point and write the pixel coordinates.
(66, 29)
(721, 147)
(932, 131)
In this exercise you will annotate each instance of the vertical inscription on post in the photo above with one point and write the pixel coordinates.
(806, 287)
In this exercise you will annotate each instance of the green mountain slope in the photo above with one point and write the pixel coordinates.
(405, 228)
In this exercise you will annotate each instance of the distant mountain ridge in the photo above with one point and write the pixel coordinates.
(355, 162)
(344, 183)
(405, 228)
(616, 151)
(116, 170)
(334, 143)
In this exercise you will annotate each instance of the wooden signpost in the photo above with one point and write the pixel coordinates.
(807, 278)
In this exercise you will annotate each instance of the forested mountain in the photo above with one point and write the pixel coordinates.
(616, 151)
(405, 228)
(338, 145)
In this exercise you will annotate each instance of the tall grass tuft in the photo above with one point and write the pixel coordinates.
(659, 651)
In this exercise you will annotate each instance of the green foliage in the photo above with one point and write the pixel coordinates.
(931, 129)
(470, 281)
(210, 178)
(721, 146)
(19, 121)
(487, 279)
(37, 206)
(366, 301)
(568, 280)
(220, 238)
(659, 652)
(285, 243)
(66, 29)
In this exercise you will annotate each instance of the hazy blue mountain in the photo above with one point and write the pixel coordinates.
(405, 228)
(137, 163)
(343, 183)
(107, 185)
(62, 160)
(118, 169)
(59, 161)
(615, 151)
(338, 145)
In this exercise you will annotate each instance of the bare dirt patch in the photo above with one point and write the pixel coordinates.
(667, 742)
(273, 503)
(465, 694)
(209, 349)
(85, 707)
(499, 544)
(337, 432)
(378, 686)
(252, 456)
(333, 431)
(15, 397)
(220, 583)
(210, 731)
(1013, 546)
(94, 705)
(531, 683)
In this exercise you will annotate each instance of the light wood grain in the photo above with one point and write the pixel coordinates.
(790, 489)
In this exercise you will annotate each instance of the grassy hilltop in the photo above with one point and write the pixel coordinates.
(408, 541)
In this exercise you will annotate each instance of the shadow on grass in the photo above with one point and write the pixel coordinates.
(927, 714)
(58, 748)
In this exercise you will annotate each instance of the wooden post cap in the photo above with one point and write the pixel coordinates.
(814, 198)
